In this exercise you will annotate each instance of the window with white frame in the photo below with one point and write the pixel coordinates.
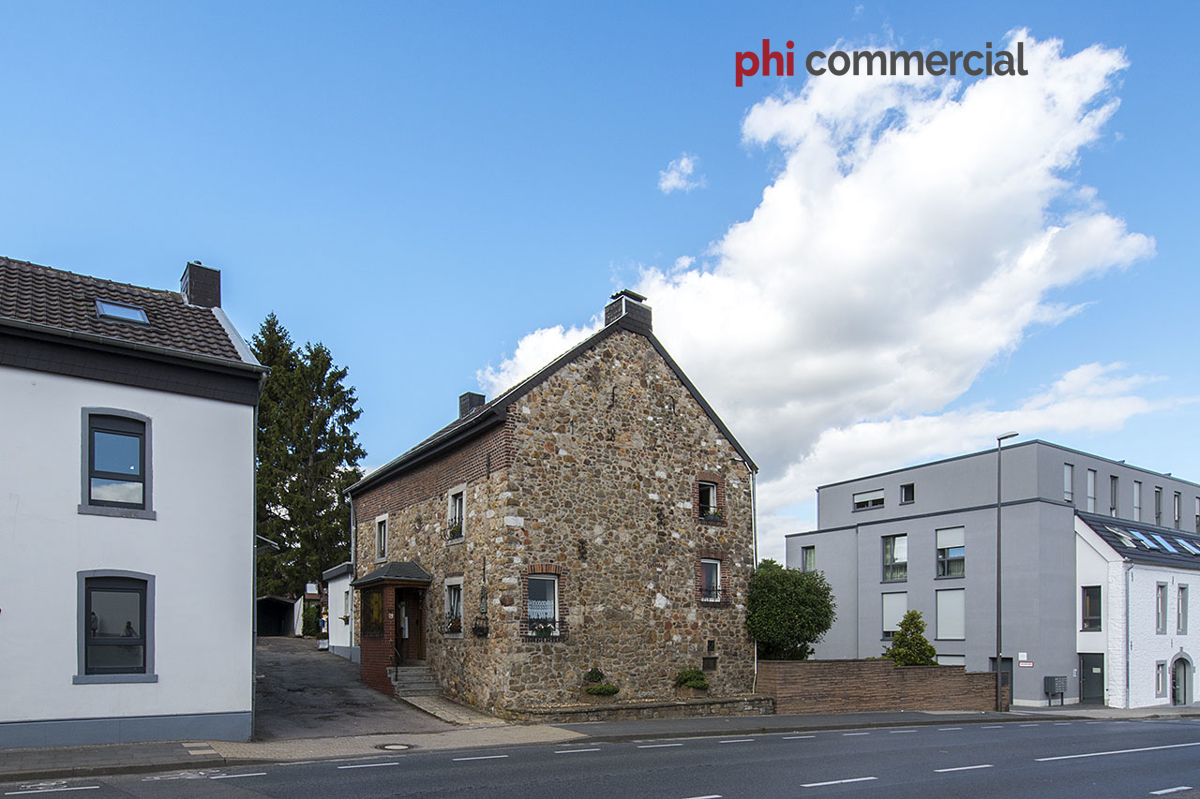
(865, 500)
(951, 660)
(895, 558)
(1160, 608)
(346, 606)
(1091, 613)
(951, 552)
(808, 559)
(1069, 483)
(710, 580)
(455, 518)
(1137, 500)
(952, 614)
(707, 504)
(1114, 492)
(1178, 510)
(1091, 490)
(1158, 505)
(381, 537)
(1160, 678)
(453, 606)
(542, 606)
(116, 627)
(1181, 611)
(894, 607)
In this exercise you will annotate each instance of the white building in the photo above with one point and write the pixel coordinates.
(127, 520)
(341, 610)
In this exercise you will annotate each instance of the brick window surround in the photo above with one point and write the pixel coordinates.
(724, 600)
(718, 481)
(561, 610)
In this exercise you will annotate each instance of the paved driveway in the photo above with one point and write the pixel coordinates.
(306, 693)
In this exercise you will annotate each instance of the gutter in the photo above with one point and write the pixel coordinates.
(106, 342)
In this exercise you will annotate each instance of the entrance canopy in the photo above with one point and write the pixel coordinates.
(403, 572)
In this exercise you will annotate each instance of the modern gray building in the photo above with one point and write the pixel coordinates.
(924, 538)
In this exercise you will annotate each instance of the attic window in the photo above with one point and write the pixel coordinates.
(123, 313)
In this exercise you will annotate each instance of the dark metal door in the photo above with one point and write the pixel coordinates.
(1091, 678)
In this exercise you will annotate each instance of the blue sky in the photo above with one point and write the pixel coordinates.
(423, 188)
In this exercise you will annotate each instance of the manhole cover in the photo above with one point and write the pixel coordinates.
(394, 747)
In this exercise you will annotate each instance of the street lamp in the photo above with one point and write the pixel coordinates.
(999, 638)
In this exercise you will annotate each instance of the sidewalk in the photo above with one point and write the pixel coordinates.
(476, 732)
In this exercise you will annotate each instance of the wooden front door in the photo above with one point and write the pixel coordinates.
(410, 628)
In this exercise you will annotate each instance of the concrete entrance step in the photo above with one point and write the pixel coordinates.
(453, 712)
(413, 681)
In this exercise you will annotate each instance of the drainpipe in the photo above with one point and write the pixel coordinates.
(353, 565)
(1128, 578)
(262, 382)
(754, 533)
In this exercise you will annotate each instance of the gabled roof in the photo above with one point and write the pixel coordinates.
(51, 301)
(495, 412)
(1146, 543)
(404, 570)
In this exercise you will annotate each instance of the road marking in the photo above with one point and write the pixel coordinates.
(948, 729)
(371, 765)
(1029, 725)
(238, 776)
(1118, 752)
(656, 746)
(797, 737)
(480, 757)
(961, 768)
(856, 733)
(1166, 791)
(992, 726)
(573, 751)
(897, 732)
(836, 782)
(737, 741)
(710, 796)
(52, 790)
(1062, 724)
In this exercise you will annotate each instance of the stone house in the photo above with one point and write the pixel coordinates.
(597, 515)
(127, 526)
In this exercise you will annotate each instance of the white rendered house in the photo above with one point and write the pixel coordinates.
(127, 519)
(341, 610)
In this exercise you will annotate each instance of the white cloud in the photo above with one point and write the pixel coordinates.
(915, 233)
(678, 175)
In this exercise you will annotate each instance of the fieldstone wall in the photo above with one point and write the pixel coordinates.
(593, 479)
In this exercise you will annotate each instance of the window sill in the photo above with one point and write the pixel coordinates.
(949, 639)
(450, 542)
(112, 679)
(863, 510)
(1091, 630)
(952, 577)
(711, 522)
(453, 636)
(893, 582)
(121, 513)
(380, 560)
(910, 502)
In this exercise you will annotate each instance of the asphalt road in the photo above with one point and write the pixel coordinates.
(1044, 759)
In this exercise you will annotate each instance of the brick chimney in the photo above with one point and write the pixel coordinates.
(630, 304)
(201, 285)
(469, 402)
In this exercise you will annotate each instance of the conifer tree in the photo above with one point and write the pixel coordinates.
(909, 646)
(308, 454)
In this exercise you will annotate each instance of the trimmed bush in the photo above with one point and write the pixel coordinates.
(909, 646)
(691, 678)
(602, 689)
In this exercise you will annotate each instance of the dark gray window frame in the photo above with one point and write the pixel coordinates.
(86, 506)
(883, 551)
(912, 493)
(1162, 606)
(1083, 617)
(81, 677)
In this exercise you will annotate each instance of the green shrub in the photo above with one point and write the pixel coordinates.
(691, 678)
(310, 623)
(787, 611)
(594, 675)
(602, 689)
(909, 646)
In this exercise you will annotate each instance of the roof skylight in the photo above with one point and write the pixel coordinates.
(1149, 544)
(1121, 534)
(1188, 546)
(124, 313)
(1166, 544)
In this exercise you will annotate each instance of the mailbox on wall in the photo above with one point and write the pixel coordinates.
(1054, 685)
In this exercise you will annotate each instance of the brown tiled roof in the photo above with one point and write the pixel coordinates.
(53, 298)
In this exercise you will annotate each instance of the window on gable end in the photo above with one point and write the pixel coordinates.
(542, 606)
(116, 620)
(710, 580)
(116, 464)
(381, 536)
(455, 515)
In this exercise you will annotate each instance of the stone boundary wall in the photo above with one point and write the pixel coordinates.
(856, 686)
(746, 705)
